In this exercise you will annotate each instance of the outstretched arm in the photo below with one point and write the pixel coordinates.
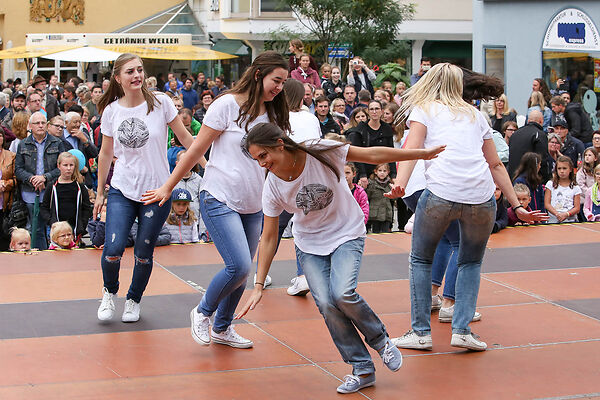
(378, 154)
(266, 252)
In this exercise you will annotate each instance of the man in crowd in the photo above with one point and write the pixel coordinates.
(360, 76)
(4, 111)
(220, 85)
(36, 168)
(53, 83)
(190, 96)
(105, 84)
(530, 137)
(425, 66)
(307, 100)
(200, 85)
(92, 105)
(328, 124)
(578, 120)
(18, 104)
(49, 102)
(170, 76)
(571, 146)
(34, 103)
(350, 99)
(363, 98)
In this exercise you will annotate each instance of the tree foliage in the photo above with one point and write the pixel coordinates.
(365, 24)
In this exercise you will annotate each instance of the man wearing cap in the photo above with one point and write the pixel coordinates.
(49, 102)
(17, 104)
(577, 119)
(530, 137)
(36, 167)
(572, 147)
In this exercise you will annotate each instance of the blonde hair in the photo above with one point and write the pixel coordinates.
(522, 188)
(17, 233)
(506, 110)
(536, 99)
(173, 219)
(59, 227)
(76, 174)
(442, 84)
(19, 124)
(336, 137)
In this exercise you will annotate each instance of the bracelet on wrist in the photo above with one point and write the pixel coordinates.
(515, 208)
(259, 283)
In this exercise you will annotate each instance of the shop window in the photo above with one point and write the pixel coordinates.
(494, 61)
(576, 69)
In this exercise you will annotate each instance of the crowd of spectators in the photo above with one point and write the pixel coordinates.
(551, 153)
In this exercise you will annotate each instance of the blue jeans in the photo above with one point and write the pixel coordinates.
(332, 280)
(432, 218)
(41, 242)
(121, 213)
(236, 238)
(446, 253)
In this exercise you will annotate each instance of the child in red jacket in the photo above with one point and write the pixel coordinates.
(359, 193)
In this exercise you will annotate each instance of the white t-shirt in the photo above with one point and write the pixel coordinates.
(140, 145)
(562, 200)
(326, 214)
(460, 173)
(417, 180)
(305, 126)
(231, 176)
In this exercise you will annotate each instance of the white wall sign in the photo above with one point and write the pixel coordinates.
(572, 29)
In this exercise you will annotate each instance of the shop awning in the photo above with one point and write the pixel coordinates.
(84, 54)
(170, 52)
(231, 46)
(448, 49)
(33, 51)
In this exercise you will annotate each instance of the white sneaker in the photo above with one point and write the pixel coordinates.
(131, 312)
(106, 311)
(200, 327)
(470, 341)
(445, 314)
(231, 338)
(268, 281)
(436, 302)
(299, 286)
(410, 340)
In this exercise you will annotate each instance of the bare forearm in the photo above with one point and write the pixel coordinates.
(266, 252)
(379, 155)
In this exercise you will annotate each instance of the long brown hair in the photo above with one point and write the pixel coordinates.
(294, 93)
(268, 135)
(555, 179)
(19, 124)
(251, 85)
(529, 166)
(115, 91)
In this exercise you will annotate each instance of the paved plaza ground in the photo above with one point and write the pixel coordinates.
(540, 300)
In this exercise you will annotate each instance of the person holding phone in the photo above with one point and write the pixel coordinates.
(360, 76)
(425, 66)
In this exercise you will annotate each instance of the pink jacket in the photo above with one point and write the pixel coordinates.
(587, 208)
(363, 201)
(312, 76)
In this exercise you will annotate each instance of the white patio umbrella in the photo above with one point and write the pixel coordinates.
(84, 54)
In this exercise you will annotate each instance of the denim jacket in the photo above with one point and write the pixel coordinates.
(26, 160)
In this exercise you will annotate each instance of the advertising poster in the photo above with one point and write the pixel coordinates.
(597, 75)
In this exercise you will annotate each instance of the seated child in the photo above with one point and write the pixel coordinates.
(591, 208)
(380, 207)
(524, 197)
(20, 239)
(501, 212)
(192, 182)
(61, 236)
(181, 221)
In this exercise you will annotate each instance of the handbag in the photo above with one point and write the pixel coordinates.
(16, 217)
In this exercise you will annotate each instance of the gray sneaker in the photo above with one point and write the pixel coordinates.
(131, 312)
(410, 340)
(391, 356)
(200, 327)
(436, 302)
(470, 341)
(445, 314)
(353, 383)
(231, 338)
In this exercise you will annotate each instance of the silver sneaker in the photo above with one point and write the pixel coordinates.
(231, 338)
(353, 383)
(470, 341)
(410, 340)
(200, 327)
(436, 302)
(445, 314)
(131, 312)
(106, 311)
(299, 286)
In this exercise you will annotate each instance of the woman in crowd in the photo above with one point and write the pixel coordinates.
(134, 130)
(8, 184)
(537, 102)
(19, 127)
(554, 146)
(334, 87)
(230, 203)
(501, 113)
(460, 186)
(508, 128)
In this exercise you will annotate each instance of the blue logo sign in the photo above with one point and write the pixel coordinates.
(572, 32)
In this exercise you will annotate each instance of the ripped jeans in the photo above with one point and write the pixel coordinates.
(121, 213)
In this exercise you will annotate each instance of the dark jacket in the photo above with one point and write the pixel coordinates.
(330, 87)
(497, 123)
(49, 208)
(536, 193)
(329, 125)
(358, 83)
(579, 122)
(97, 231)
(530, 137)
(52, 107)
(364, 136)
(380, 207)
(26, 160)
(572, 148)
(501, 215)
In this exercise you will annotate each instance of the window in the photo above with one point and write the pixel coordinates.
(494, 61)
(240, 6)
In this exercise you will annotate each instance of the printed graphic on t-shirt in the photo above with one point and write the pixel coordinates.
(133, 133)
(243, 145)
(314, 197)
